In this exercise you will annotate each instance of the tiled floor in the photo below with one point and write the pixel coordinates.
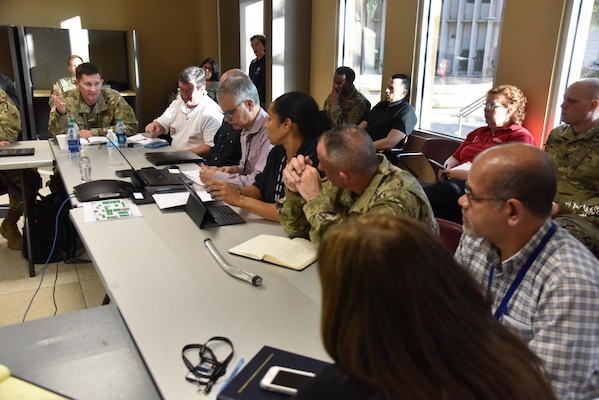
(77, 285)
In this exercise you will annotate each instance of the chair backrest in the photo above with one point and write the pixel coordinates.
(439, 149)
(450, 233)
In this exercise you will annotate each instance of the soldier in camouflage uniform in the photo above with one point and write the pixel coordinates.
(574, 150)
(345, 104)
(94, 108)
(68, 83)
(358, 181)
(10, 126)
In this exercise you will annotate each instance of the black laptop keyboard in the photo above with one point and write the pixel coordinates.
(158, 177)
(224, 215)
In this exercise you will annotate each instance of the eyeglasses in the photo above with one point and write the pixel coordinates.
(187, 92)
(492, 106)
(230, 113)
(471, 197)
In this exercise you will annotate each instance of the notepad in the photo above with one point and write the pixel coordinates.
(296, 253)
(15, 388)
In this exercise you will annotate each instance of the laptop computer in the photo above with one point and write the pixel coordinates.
(173, 157)
(152, 180)
(12, 152)
(209, 214)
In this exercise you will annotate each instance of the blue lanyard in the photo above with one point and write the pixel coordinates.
(502, 309)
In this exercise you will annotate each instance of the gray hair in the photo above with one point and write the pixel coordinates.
(350, 148)
(240, 87)
(193, 74)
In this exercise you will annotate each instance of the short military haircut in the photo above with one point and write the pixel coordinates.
(193, 74)
(87, 69)
(350, 75)
(405, 81)
(240, 87)
(349, 148)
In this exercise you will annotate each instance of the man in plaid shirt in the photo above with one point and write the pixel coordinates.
(543, 282)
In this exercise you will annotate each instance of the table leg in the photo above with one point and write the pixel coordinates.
(26, 229)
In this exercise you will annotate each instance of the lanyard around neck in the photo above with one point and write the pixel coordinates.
(502, 309)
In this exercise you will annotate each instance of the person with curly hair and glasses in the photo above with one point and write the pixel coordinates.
(504, 111)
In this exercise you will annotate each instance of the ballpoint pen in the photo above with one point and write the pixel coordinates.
(233, 374)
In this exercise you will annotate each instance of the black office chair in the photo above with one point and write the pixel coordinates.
(394, 152)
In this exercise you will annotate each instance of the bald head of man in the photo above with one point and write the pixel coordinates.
(231, 72)
(509, 194)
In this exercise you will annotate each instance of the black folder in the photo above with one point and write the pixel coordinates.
(172, 157)
(246, 385)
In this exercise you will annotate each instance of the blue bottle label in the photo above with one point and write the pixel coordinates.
(73, 145)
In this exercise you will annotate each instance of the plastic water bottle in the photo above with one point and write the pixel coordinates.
(75, 127)
(111, 144)
(85, 166)
(73, 141)
(121, 132)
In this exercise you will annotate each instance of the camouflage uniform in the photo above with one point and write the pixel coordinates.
(352, 108)
(63, 85)
(10, 119)
(10, 126)
(391, 191)
(99, 118)
(576, 158)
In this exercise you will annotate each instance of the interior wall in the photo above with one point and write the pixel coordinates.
(229, 34)
(171, 37)
(323, 43)
(529, 64)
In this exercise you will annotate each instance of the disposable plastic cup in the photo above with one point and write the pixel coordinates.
(62, 142)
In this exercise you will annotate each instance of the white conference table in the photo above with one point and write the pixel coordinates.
(171, 292)
(43, 157)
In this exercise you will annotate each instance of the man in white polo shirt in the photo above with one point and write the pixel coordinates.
(193, 118)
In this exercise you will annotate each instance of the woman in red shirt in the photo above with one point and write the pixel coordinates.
(504, 113)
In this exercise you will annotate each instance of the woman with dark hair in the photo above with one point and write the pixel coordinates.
(212, 73)
(257, 70)
(402, 320)
(294, 125)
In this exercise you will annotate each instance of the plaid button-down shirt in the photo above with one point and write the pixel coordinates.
(555, 309)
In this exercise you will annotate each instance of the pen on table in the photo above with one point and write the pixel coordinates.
(230, 378)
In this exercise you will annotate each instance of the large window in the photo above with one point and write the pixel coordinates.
(361, 36)
(458, 57)
(581, 55)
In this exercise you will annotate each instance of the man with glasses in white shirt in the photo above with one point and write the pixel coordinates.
(193, 118)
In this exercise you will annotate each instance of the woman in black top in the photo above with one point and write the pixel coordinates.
(294, 125)
(257, 71)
